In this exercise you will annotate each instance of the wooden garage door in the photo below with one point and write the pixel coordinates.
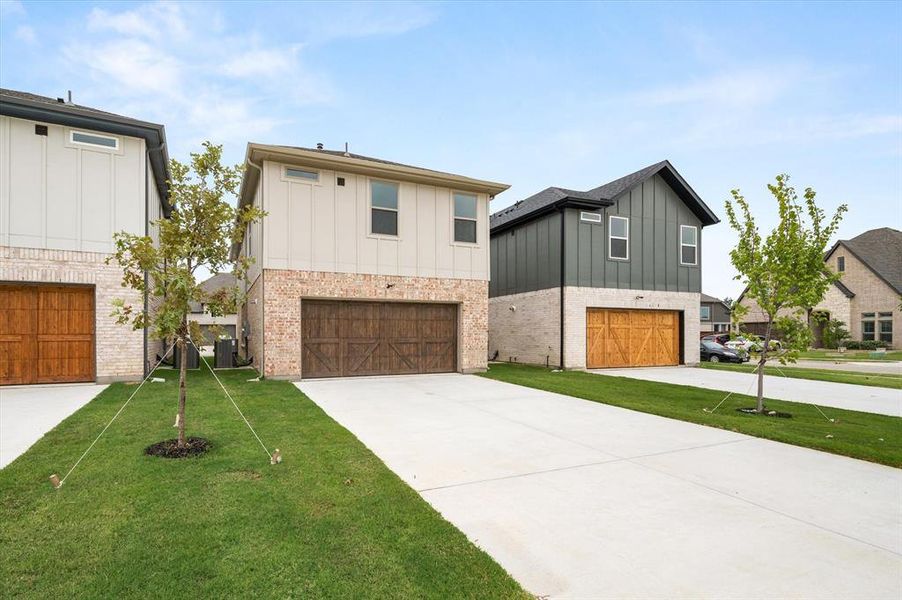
(341, 339)
(46, 334)
(632, 338)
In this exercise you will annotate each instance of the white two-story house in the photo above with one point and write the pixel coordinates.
(70, 177)
(363, 266)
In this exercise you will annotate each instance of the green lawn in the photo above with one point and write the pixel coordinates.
(331, 521)
(855, 434)
(852, 355)
(872, 379)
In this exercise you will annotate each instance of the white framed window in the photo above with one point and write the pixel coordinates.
(706, 313)
(688, 245)
(296, 173)
(383, 208)
(618, 238)
(465, 217)
(885, 327)
(590, 217)
(84, 138)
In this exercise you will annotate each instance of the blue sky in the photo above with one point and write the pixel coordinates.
(534, 95)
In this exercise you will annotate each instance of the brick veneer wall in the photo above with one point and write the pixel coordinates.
(284, 289)
(872, 294)
(577, 299)
(531, 332)
(119, 348)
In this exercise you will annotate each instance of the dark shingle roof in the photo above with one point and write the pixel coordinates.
(846, 291)
(604, 195)
(62, 106)
(217, 282)
(881, 250)
(707, 298)
(536, 202)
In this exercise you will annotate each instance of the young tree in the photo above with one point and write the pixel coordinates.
(785, 272)
(200, 231)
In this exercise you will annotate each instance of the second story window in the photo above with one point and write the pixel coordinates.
(464, 218)
(841, 264)
(706, 313)
(383, 208)
(688, 245)
(618, 238)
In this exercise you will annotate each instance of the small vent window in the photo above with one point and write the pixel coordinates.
(590, 217)
(301, 174)
(841, 264)
(92, 139)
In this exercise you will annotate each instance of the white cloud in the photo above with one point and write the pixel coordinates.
(740, 88)
(356, 20)
(9, 8)
(26, 34)
(159, 19)
(135, 65)
(265, 62)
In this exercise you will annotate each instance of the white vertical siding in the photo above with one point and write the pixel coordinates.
(321, 226)
(58, 195)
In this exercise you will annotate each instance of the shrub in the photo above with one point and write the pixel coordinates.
(834, 334)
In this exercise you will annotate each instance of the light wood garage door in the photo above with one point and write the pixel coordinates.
(342, 339)
(632, 338)
(46, 334)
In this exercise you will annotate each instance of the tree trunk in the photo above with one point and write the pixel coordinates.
(761, 362)
(183, 373)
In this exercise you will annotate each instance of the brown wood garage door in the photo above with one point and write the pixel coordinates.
(632, 338)
(342, 339)
(46, 334)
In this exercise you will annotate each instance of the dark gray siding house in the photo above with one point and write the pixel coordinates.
(606, 277)
(714, 316)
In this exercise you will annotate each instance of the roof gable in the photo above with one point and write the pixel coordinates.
(880, 250)
(604, 195)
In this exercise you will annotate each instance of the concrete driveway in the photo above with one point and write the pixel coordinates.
(28, 412)
(580, 499)
(881, 401)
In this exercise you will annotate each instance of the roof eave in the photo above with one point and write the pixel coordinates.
(565, 202)
(152, 133)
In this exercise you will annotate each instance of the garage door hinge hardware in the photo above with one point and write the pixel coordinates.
(55, 481)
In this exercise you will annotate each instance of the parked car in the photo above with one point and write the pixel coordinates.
(743, 344)
(718, 338)
(714, 352)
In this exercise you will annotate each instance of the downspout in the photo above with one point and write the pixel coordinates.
(147, 152)
(563, 266)
(262, 278)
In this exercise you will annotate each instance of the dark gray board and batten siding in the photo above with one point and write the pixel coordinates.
(527, 257)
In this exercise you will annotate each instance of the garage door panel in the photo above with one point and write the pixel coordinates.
(627, 338)
(46, 334)
(378, 338)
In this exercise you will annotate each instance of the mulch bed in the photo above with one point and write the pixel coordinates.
(194, 446)
(766, 413)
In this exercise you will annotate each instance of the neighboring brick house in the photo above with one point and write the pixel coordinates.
(72, 176)
(363, 266)
(714, 316)
(213, 327)
(610, 277)
(867, 297)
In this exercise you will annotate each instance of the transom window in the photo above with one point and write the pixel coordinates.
(868, 326)
(301, 174)
(464, 218)
(383, 208)
(688, 245)
(618, 238)
(93, 139)
(841, 263)
(590, 217)
(706, 313)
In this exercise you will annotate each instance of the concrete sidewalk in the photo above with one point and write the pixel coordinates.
(877, 367)
(877, 400)
(578, 499)
(28, 412)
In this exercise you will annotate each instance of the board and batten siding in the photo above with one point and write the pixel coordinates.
(321, 226)
(64, 196)
(527, 258)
